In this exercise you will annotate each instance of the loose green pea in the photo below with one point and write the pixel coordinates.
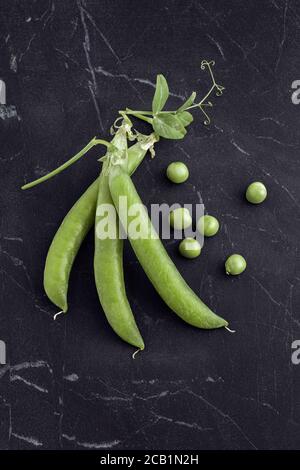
(190, 248)
(256, 192)
(208, 225)
(180, 218)
(235, 264)
(177, 172)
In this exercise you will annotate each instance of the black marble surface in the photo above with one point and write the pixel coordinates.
(69, 67)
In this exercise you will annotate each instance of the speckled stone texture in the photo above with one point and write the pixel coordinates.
(71, 383)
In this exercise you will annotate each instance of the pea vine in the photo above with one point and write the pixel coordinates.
(172, 124)
(167, 124)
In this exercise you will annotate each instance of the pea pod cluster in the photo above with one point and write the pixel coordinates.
(113, 183)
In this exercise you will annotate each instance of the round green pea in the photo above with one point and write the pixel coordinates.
(177, 172)
(235, 264)
(208, 225)
(256, 192)
(180, 218)
(190, 248)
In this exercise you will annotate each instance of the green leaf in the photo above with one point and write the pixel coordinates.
(187, 103)
(161, 94)
(168, 126)
(185, 118)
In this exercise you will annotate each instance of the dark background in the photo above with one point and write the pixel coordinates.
(69, 67)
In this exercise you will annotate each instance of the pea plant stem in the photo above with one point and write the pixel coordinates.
(129, 111)
(65, 165)
(139, 115)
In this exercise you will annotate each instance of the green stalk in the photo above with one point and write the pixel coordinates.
(140, 116)
(65, 165)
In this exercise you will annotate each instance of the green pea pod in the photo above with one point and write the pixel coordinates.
(65, 245)
(108, 262)
(72, 231)
(154, 259)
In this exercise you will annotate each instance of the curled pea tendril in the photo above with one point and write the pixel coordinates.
(219, 91)
(207, 120)
(215, 88)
